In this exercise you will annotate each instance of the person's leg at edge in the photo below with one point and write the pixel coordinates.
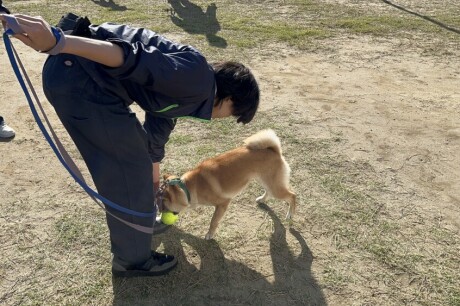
(5, 130)
(114, 146)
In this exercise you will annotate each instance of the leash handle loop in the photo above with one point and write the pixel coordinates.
(13, 27)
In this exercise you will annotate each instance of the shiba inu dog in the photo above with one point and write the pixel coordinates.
(217, 180)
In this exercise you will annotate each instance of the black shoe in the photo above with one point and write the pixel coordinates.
(158, 264)
(159, 227)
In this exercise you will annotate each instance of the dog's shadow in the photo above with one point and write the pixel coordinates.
(194, 20)
(205, 277)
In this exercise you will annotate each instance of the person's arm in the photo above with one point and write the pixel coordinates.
(158, 131)
(103, 52)
(37, 34)
(156, 176)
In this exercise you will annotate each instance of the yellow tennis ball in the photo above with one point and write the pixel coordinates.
(169, 218)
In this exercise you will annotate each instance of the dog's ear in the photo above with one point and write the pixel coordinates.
(166, 176)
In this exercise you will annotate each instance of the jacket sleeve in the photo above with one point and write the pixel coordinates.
(156, 63)
(158, 131)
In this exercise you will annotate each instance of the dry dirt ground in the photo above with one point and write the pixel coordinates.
(394, 109)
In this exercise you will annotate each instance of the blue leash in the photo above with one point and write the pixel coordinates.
(12, 54)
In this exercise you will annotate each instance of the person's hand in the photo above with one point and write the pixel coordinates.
(36, 34)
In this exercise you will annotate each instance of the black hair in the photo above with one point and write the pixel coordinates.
(236, 81)
(3, 9)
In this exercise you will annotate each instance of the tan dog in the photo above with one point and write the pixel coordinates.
(217, 180)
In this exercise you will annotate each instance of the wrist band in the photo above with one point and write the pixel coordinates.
(13, 27)
(60, 42)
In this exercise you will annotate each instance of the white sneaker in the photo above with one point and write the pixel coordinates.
(6, 131)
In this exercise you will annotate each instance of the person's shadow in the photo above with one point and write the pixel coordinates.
(110, 4)
(206, 277)
(192, 19)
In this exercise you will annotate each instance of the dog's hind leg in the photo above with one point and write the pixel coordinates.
(291, 199)
(218, 214)
(276, 184)
(284, 193)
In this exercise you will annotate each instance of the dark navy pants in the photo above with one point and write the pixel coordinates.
(113, 145)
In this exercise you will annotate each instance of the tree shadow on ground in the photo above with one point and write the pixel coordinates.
(436, 22)
(192, 19)
(110, 4)
(206, 277)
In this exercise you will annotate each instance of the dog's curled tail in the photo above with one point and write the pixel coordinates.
(265, 139)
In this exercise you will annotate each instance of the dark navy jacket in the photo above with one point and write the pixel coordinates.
(166, 79)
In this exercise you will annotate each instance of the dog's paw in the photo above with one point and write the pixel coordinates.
(209, 236)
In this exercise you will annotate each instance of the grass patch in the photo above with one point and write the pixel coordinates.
(180, 139)
(382, 25)
(242, 28)
(250, 33)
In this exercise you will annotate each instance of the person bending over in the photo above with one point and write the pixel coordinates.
(91, 82)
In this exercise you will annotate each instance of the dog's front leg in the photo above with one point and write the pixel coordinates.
(218, 214)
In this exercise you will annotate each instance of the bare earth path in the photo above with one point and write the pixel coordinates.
(397, 111)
